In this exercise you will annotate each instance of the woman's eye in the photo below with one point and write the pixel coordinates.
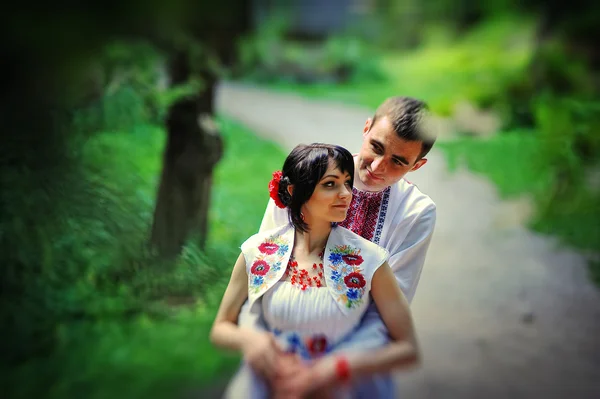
(329, 184)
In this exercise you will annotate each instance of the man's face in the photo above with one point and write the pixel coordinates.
(385, 158)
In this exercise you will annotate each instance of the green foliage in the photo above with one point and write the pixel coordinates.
(554, 71)
(267, 56)
(475, 68)
(570, 143)
(557, 96)
(353, 58)
(121, 108)
(258, 50)
(129, 88)
(407, 24)
(568, 129)
(83, 290)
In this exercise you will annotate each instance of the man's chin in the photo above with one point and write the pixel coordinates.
(372, 184)
(365, 178)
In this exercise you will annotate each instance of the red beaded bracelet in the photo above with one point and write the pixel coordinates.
(342, 369)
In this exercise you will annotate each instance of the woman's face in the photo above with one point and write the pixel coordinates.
(331, 198)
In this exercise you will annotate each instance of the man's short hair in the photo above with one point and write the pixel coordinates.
(407, 116)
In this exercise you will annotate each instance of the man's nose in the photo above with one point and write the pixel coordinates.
(378, 165)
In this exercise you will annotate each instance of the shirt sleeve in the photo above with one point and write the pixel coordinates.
(382, 256)
(408, 258)
(273, 217)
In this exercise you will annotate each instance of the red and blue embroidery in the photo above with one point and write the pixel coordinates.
(260, 268)
(274, 245)
(308, 347)
(367, 213)
(348, 280)
(268, 264)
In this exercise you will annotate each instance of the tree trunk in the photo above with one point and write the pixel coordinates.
(193, 148)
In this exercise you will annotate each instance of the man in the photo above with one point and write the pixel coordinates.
(386, 209)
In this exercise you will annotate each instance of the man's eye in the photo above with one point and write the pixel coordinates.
(377, 149)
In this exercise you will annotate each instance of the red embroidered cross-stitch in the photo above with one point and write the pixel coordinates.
(363, 213)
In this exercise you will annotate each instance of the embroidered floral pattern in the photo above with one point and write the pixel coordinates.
(274, 245)
(307, 347)
(349, 282)
(258, 280)
(267, 264)
(354, 280)
(260, 268)
(317, 345)
(345, 254)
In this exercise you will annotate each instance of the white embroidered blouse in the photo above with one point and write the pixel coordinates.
(313, 320)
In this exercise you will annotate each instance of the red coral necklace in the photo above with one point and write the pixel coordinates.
(302, 278)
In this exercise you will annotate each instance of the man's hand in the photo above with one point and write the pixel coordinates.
(296, 380)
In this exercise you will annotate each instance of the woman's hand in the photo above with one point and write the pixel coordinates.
(263, 353)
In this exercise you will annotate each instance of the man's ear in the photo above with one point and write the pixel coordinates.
(367, 127)
(418, 164)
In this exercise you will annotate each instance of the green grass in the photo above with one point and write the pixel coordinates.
(135, 358)
(130, 343)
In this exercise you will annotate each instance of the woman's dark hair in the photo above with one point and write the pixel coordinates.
(304, 168)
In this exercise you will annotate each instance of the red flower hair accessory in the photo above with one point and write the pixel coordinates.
(274, 188)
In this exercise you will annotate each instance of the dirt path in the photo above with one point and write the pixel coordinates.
(500, 311)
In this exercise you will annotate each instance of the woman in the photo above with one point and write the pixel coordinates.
(311, 281)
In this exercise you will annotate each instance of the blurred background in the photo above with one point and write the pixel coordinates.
(138, 139)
